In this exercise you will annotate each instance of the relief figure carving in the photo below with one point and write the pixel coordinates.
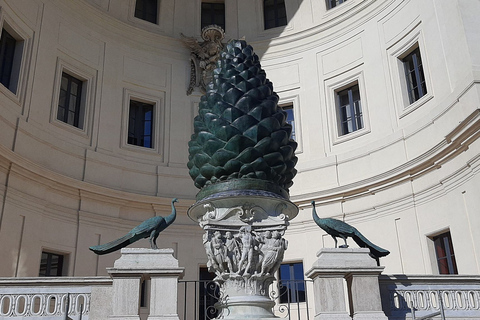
(204, 56)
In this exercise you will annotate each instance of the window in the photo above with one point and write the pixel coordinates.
(445, 255)
(69, 102)
(213, 13)
(208, 296)
(51, 265)
(10, 58)
(333, 3)
(414, 75)
(146, 10)
(290, 118)
(274, 13)
(349, 109)
(140, 124)
(292, 283)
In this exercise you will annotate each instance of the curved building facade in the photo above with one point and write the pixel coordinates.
(383, 96)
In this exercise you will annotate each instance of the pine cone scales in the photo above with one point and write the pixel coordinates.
(240, 132)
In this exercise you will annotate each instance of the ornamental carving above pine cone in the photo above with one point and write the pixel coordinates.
(240, 131)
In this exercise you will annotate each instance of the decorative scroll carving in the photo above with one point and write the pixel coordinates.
(248, 213)
(204, 56)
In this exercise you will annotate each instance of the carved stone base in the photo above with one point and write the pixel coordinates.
(244, 244)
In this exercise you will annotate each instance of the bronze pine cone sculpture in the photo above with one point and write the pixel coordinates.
(240, 131)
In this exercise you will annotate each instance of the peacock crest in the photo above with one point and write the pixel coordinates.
(240, 132)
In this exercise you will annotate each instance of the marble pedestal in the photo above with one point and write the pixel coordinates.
(244, 244)
(360, 271)
(136, 265)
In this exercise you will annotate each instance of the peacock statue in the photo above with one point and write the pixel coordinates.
(149, 228)
(340, 229)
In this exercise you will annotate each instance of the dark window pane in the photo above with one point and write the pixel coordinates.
(7, 54)
(69, 101)
(445, 255)
(414, 75)
(51, 265)
(274, 13)
(350, 110)
(208, 295)
(333, 3)
(146, 10)
(140, 124)
(292, 283)
(290, 119)
(213, 13)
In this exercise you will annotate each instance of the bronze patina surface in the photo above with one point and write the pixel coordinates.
(241, 139)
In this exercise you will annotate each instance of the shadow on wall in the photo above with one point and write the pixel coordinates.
(258, 21)
(273, 18)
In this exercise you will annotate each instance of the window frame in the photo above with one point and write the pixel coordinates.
(143, 19)
(77, 114)
(275, 13)
(140, 110)
(350, 106)
(23, 35)
(7, 59)
(291, 97)
(332, 87)
(63, 265)
(88, 77)
(158, 133)
(207, 294)
(444, 239)
(328, 4)
(396, 52)
(289, 106)
(213, 2)
(417, 71)
(282, 296)
(432, 250)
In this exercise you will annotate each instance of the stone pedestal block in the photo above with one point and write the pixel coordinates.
(136, 265)
(359, 270)
(126, 297)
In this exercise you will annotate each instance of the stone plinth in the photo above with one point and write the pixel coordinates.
(360, 271)
(136, 265)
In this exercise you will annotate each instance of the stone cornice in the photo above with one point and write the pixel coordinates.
(57, 281)
(35, 172)
(455, 143)
(322, 34)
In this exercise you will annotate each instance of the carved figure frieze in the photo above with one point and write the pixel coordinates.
(204, 56)
(245, 252)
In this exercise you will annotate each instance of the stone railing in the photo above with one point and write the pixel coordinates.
(46, 298)
(117, 297)
(460, 295)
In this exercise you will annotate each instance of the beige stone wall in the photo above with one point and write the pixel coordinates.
(410, 174)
